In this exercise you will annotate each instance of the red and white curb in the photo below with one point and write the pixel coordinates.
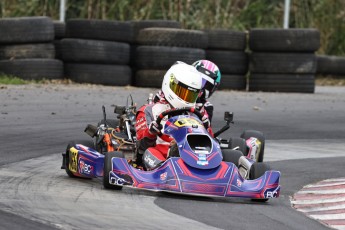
(323, 201)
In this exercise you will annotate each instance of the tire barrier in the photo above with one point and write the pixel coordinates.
(157, 49)
(330, 65)
(96, 51)
(27, 50)
(283, 60)
(136, 26)
(226, 48)
(119, 75)
(280, 60)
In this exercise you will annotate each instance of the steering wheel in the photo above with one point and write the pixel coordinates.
(180, 110)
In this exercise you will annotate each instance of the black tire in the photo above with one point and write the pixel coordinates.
(226, 39)
(149, 78)
(108, 30)
(26, 30)
(230, 155)
(108, 167)
(239, 144)
(162, 57)
(284, 63)
(257, 170)
(59, 29)
(281, 40)
(229, 62)
(261, 137)
(333, 65)
(139, 25)
(93, 51)
(233, 82)
(298, 83)
(70, 144)
(33, 69)
(26, 51)
(173, 37)
(117, 75)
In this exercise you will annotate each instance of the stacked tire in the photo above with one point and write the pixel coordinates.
(331, 65)
(97, 51)
(27, 50)
(283, 60)
(159, 48)
(226, 48)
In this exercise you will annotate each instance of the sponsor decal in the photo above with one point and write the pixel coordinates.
(202, 162)
(149, 161)
(73, 160)
(85, 168)
(239, 182)
(269, 193)
(202, 159)
(114, 179)
(163, 176)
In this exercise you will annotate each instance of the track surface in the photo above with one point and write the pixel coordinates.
(305, 133)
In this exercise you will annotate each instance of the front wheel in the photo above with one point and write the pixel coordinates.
(230, 155)
(257, 170)
(238, 143)
(108, 167)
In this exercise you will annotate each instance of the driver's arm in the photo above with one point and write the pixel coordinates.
(144, 137)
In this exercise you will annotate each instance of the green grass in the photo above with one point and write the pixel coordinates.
(11, 80)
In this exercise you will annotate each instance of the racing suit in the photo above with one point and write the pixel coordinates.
(152, 149)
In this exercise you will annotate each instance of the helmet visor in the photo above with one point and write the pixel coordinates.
(186, 93)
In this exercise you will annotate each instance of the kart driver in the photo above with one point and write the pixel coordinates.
(181, 86)
(211, 80)
(211, 76)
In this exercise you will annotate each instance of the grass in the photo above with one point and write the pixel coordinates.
(11, 80)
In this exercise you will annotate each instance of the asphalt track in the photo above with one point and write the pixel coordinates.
(305, 135)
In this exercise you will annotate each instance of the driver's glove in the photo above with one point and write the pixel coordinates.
(154, 128)
(206, 121)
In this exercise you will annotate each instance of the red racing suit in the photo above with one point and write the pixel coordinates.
(153, 149)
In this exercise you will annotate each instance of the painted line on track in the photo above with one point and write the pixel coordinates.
(323, 201)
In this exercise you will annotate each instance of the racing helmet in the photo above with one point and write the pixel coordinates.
(211, 76)
(181, 85)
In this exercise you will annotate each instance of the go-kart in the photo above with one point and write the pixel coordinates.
(197, 164)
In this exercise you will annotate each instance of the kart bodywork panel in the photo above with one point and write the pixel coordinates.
(174, 175)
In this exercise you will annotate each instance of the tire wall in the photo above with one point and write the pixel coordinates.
(226, 48)
(283, 60)
(27, 48)
(140, 52)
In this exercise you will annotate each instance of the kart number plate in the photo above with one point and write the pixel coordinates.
(73, 159)
(186, 122)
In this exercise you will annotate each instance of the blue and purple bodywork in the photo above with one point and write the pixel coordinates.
(198, 171)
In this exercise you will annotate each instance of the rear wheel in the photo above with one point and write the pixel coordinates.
(257, 170)
(260, 136)
(71, 144)
(230, 155)
(108, 167)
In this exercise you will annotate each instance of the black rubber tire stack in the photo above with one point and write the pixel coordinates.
(330, 65)
(158, 48)
(226, 48)
(27, 50)
(97, 52)
(283, 60)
